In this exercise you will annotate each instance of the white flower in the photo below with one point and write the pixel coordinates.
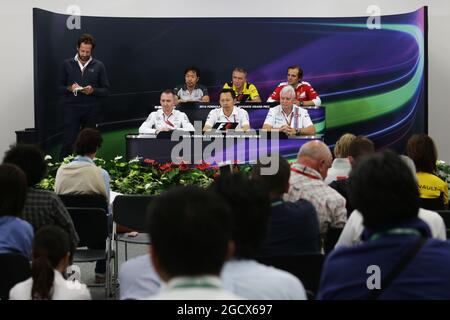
(48, 157)
(137, 159)
(118, 158)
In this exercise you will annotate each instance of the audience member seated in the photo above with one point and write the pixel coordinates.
(82, 176)
(138, 279)
(16, 234)
(304, 92)
(293, 226)
(340, 168)
(166, 118)
(353, 230)
(191, 90)
(351, 235)
(413, 265)
(191, 232)
(306, 182)
(359, 147)
(244, 91)
(433, 190)
(243, 275)
(51, 257)
(288, 117)
(42, 207)
(227, 113)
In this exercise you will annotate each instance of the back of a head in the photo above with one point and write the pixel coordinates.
(341, 149)
(384, 190)
(88, 141)
(276, 183)
(360, 147)
(422, 150)
(250, 206)
(30, 159)
(410, 163)
(190, 230)
(50, 245)
(13, 190)
(315, 149)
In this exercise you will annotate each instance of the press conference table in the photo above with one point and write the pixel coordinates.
(219, 147)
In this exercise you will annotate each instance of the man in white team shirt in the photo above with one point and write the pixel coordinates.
(227, 113)
(166, 118)
(288, 117)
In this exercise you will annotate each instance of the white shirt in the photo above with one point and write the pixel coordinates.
(238, 115)
(158, 120)
(297, 119)
(351, 234)
(82, 67)
(255, 281)
(194, 288)
(138, 279)
(62, 289)
(340, 169)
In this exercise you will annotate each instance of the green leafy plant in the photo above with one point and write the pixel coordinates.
(443, 171)
(145, 177)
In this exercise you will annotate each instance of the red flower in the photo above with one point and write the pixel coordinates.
(203, 166)
(215, 175)
(150, 162)
(183, 166)
(167, 166)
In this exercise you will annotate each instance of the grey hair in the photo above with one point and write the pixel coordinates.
(287, 89)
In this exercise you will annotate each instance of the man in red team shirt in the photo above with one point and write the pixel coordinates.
(305, 93)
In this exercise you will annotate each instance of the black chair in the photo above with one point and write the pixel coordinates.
(130, 211)
(433, 203)
(84, 201)
(307, 268)
(331, 238)
(14, 268)
(91, 225)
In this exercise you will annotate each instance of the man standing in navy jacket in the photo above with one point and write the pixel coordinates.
(84, 82)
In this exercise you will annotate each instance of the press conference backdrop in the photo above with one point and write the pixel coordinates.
(372, 81)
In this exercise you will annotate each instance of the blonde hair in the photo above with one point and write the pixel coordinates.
(341, 149)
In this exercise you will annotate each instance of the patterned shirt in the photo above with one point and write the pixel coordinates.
(43, 208)
(307, 183)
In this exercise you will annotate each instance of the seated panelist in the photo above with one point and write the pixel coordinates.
(228, 113)
(191, 89)
(166, 118)
(305, 93)
(244, 91)
(288, 117)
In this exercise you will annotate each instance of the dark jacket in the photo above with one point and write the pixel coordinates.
(94, 75)
(427, 276)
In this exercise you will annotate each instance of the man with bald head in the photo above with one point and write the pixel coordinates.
(306, 182)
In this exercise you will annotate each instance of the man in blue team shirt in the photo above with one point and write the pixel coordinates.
(398, 259)
(84, 82)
